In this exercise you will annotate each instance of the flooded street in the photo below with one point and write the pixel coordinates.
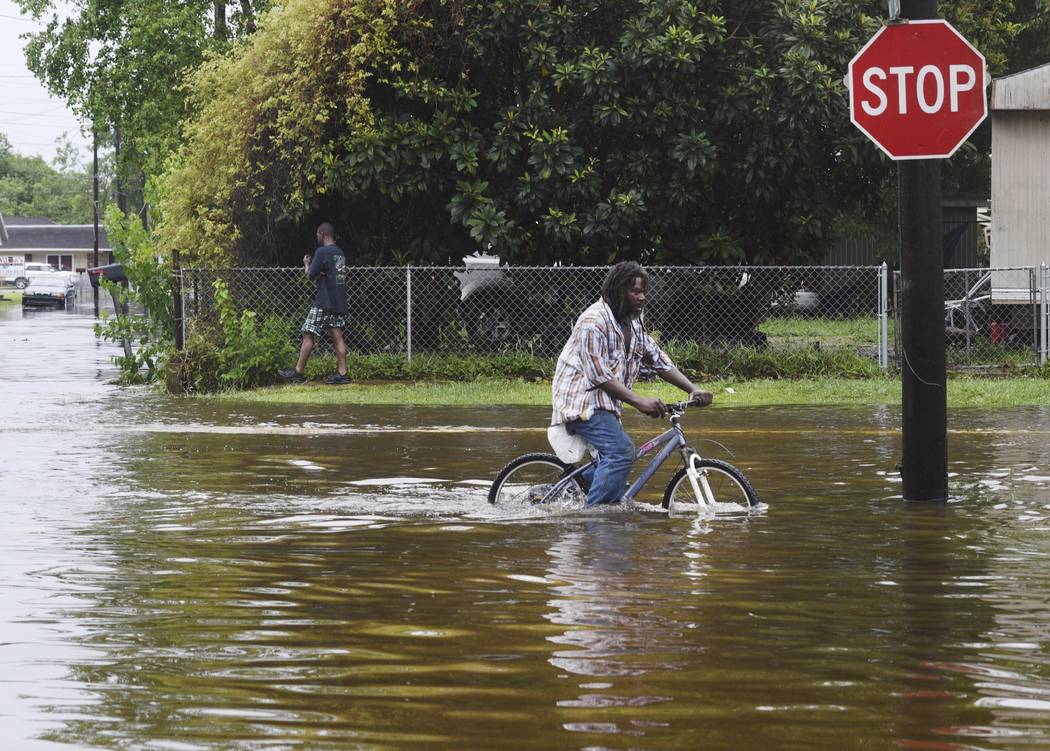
(187, 574)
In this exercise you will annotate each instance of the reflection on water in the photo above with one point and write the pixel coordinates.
(190, 575)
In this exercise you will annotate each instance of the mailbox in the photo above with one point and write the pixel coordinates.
(114, 272)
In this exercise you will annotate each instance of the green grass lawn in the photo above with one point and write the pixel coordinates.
(9, 298)
(840, 332)
(862, 332)
(962, 392)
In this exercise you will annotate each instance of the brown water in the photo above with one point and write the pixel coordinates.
(190, 575)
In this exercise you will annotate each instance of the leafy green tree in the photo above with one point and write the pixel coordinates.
(61, 191)
(1029, 45)
(119, 64)
(668, 130)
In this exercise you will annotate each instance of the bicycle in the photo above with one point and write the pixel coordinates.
(538, 478)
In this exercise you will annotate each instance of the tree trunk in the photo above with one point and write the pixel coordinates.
(248, 17)
(221, 30)
(122, 196)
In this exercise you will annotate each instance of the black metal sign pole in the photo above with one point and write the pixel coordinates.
(94, 204)
(924, 465)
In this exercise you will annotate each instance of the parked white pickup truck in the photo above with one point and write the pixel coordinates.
(14, 270)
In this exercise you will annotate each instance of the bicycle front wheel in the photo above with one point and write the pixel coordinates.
(727, 485)
(525, 481)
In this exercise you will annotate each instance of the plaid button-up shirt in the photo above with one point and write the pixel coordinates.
(596, 353)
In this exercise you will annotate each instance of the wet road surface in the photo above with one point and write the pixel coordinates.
(187, 574)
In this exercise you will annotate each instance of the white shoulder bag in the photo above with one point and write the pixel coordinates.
(569, 448)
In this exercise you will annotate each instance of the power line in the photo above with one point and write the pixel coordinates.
(23, 117)
(70, 126)
(7, 112)
(27, 100)
(20, 18)
(52, 144)
(14, 113)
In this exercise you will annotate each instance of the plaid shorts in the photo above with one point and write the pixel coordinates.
(319, 321)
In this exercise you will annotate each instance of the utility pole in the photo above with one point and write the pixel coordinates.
(94, 205)
(122, 196)
(221, 30)
(924, 465)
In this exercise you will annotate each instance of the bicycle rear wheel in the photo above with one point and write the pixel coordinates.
(727, 483)
(525, 480)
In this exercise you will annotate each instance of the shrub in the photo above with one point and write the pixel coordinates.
(251, 352)
(151, 333)
(196, 369)
(241, 352)
(237, 352)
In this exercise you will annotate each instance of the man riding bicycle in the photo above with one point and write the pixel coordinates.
(595, 373)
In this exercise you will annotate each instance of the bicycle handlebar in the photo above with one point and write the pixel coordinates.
(678, 408)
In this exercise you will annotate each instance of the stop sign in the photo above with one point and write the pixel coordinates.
(917, 89)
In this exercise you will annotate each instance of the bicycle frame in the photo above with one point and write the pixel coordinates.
(672, 439)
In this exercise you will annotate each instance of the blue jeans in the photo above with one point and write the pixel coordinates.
(615, 455)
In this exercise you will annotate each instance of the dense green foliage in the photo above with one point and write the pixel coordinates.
(237, 351)
(1031, 45)
(120, 64)
(667, 130)
(578, 132)
(664, 129)
(60, 191)
(251, 351)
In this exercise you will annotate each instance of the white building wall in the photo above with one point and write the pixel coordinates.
(82, 259)
(1020, 187)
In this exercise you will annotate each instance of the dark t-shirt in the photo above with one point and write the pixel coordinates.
(328, 267)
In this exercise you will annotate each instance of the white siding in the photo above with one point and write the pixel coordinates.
(1028, 90)
(82, 259)
(1020, 188)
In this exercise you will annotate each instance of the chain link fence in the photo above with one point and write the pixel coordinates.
(446, 310)
(993, 317)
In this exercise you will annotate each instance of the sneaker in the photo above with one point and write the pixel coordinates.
(291, 375)
(337, 379)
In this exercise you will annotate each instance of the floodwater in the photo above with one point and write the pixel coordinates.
(180, 574)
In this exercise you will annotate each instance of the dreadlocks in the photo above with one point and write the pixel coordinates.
(614, 289)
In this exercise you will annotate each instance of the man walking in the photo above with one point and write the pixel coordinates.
(595, 373)
(329, 312)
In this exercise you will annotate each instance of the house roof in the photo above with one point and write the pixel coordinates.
(39, 233)
(1026, 90)
(13, 221)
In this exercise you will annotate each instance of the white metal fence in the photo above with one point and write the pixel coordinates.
(448, 310)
